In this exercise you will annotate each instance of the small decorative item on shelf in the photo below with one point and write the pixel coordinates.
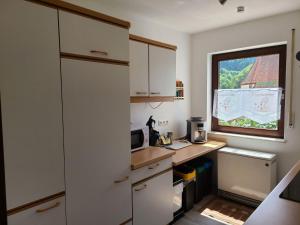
(179, 90)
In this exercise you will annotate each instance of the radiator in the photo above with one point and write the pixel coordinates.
(245, 174)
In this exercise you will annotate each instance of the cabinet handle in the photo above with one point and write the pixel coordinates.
(48, 208)
(99, 52)
(141, 188)
(153, 167)
(141, 93)
(155, 93)
(122, 180)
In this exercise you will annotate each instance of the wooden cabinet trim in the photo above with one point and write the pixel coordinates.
(149, 178)
(83, 12)
(134, 99)
(35, 203)
(152, 42)
(93, 59)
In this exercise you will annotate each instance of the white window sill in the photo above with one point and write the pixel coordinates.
(247, 136)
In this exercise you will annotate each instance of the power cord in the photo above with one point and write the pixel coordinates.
(155, 107)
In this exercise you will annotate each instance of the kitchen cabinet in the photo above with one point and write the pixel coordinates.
(138, 69)
(153, 200)
(31, 102)
(88, 37)
(97, 142)
(162, 71)
(150, 170)
(49, 213)
(152, 70)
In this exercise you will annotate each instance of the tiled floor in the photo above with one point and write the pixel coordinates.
(193, 217)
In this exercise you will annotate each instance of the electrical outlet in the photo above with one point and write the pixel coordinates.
(163, 123)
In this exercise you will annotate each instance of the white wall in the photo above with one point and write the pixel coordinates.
(253, 33)
(177, 112)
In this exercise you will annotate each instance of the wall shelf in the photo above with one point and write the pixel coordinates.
(179, 90)
(179, 98)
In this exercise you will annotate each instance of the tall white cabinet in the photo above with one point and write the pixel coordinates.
(31, 102)
(97, 148)
(64, 81)
(95, 93)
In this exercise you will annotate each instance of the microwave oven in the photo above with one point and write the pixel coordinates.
(139, 138)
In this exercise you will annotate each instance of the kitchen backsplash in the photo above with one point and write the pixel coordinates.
(172, 115)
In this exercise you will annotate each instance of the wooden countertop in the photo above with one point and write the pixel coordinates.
(277, 211)
(149, 156)
(152, 155)
(191, 152)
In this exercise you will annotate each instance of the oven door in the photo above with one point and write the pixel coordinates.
(137, 139)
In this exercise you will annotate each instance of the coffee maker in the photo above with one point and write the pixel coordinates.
(196, 130)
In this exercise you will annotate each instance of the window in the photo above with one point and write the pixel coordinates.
(250, 71)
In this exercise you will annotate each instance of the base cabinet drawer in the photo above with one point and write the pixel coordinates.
(153, 200)
(148, 171)
(50, 213)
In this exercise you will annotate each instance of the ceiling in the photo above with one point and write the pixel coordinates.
(198, 15)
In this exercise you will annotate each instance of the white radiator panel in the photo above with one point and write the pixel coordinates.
(246, 173)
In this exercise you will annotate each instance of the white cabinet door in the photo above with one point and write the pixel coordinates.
(138, 62)
(85, 36)
(31, 101)
(162, 71)
(153, 200)
(50, 213)
(97, 142)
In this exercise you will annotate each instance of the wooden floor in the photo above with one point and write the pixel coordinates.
(193, 217)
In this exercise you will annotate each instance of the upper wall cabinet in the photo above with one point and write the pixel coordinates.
(152, 70)
(138, 69)
(31, 102)
(87, 37)
(162, 71)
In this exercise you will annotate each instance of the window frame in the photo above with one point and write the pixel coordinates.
(216, 58)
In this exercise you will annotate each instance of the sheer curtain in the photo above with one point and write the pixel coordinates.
(262, 105)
